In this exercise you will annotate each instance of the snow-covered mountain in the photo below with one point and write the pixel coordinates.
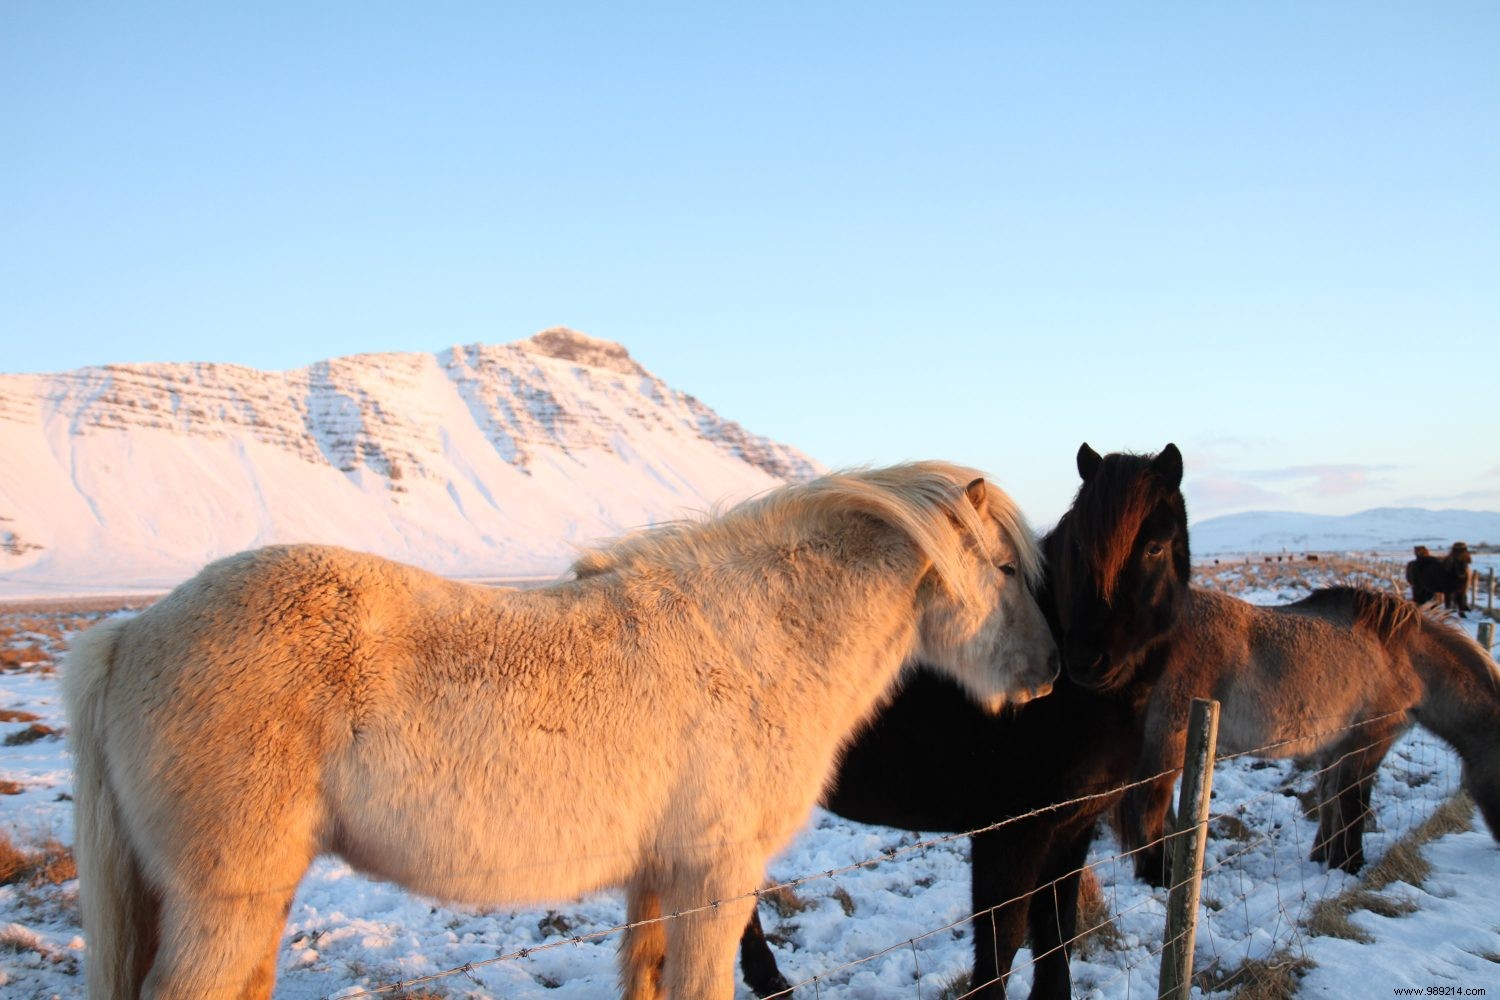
(475, 461)
(1384, 529)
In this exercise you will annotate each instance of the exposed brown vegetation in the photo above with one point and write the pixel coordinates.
(24, 658)
(1271, 978)
(1096, 924)
(954, 987)
(32, 733)
(34, 635)
(1295, 575)
(785, 901)
(49, 863)
(1402, 863)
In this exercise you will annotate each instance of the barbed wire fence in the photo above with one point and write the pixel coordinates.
(1260, 895)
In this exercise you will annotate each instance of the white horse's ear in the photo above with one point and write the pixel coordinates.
(978, 495)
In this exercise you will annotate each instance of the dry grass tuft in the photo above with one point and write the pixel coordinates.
(1096, 924)
(13, 862)
(19, 940)
(954, 987)
(16, 715)
(1402, 863)
(785, 901)
(1273, 978)
(25, 659)
(1330, 918)
(32, 733)
(50, 863)
(1230, 828)
(554, 924)
(846, 901)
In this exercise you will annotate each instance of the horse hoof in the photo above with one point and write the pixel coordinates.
(776, 986)
(1152, 871)
(1351, 864)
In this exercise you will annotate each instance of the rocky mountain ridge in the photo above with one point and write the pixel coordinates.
(561, 432)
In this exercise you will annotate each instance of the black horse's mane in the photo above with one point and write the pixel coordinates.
(1108, 512)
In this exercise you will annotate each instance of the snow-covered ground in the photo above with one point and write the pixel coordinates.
(347, 933)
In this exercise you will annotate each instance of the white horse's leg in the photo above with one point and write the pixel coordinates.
(219, 946)
(701, 946)
(263, 979)
(644, 948)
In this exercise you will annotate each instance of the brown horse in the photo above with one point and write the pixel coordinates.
(1337, 676)
(664, 724)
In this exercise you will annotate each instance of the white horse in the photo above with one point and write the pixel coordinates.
(664, 722)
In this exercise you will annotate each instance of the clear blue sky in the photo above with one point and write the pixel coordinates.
(983, 231)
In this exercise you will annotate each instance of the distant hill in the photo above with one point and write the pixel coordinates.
(482, 460)
(1384, 529)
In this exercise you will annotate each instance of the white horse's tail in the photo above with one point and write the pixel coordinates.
(119, 908)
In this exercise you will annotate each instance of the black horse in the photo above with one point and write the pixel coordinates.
(1431, 576)
(1117, 576)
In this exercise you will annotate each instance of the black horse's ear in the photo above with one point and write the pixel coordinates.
(1088, 462)
(1168, 466)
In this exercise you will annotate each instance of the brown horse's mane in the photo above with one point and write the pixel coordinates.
(1390, 617)
(1109, 511)
(1386, 616)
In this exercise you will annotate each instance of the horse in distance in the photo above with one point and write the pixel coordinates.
(1446, 576)
(663, 722)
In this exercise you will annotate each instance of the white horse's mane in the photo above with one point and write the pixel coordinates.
(920, 499)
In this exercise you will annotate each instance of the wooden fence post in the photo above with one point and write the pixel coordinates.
(1188, 840)
(1489, 590)
(1487, 635)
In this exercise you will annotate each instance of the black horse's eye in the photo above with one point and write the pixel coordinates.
(1009, 569)
(1155, 549)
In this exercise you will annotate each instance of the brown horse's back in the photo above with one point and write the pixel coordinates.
(1285, 676)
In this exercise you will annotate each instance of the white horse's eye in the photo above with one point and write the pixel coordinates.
(1009, 569)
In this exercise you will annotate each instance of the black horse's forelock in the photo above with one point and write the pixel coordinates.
(1109, 511)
